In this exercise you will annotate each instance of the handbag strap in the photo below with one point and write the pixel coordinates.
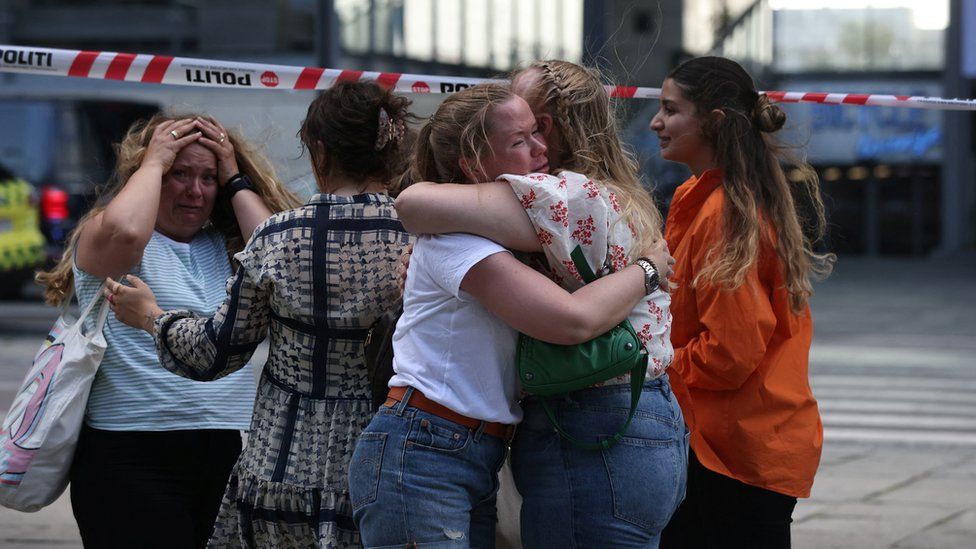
(636, 388)
(637, 375)
(582, 267)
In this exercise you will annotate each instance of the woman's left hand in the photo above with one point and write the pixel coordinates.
(663, 262)
(133, 305)
(215, 138)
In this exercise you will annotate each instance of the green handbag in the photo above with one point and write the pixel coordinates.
(546, 369)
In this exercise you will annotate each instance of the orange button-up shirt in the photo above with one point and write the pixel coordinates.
(743, 355)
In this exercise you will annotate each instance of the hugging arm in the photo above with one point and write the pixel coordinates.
(536, 306)
(490, 210)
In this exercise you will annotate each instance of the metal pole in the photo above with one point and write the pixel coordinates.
(490, 25)
(957, 165)
(462, 32)
(326, 39)
(372, 33)
(872, 203)
(433, 30)
(6, 21)
(594, 31)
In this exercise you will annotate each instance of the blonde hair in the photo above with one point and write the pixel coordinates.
(458, 130)
(587, 128)
(759, 199)
(59, 280)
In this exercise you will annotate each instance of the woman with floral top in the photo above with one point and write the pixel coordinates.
(317, 276)
(620, 496)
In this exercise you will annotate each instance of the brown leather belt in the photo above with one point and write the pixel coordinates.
(421, 402)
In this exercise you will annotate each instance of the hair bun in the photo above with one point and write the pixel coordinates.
(769, 116)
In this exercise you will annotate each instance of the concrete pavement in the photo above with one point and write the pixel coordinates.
(893, 370)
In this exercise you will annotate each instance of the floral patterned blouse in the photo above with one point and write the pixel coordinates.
(571, 211)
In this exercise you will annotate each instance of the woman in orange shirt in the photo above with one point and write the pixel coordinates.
(742, 325)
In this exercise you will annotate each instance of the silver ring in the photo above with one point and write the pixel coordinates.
(175, 134)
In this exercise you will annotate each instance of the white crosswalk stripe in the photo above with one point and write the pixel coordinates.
(890, 407)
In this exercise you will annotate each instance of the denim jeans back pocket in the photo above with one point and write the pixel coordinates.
(365, 468)
(646, 480)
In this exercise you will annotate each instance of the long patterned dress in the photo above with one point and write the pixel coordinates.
(317, 277)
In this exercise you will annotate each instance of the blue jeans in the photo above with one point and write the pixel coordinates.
(619, 497)
(416, 479)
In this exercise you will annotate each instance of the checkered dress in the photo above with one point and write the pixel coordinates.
(317, 277)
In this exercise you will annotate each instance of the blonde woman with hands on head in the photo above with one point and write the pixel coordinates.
(155, 452)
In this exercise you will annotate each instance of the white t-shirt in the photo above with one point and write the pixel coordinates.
(447, 344)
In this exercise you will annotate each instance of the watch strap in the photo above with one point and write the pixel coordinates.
(652, 279)
(235, 184)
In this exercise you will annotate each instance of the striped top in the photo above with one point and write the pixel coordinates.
(132, 392)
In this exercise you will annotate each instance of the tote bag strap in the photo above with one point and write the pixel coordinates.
(636, 378)
(84, 314)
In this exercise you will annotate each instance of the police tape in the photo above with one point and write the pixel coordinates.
(187, 71)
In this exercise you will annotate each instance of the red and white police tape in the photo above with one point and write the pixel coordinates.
(186, 71)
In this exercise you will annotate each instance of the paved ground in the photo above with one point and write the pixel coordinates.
(893, 369)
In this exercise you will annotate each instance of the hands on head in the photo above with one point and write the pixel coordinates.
(172, 135)
(133, 305)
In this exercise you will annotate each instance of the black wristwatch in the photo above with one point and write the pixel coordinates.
(651, 279)
(236, 184)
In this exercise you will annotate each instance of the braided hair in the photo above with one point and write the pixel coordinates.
(587, 139)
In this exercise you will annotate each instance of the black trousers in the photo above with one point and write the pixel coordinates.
(150, 489)
(721, 512)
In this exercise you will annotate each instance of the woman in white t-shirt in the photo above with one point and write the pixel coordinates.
(425, 470)
(620, 496)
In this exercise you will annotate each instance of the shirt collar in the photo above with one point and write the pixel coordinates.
(364, 198)
(687, 203)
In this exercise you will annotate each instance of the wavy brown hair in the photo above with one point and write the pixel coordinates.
(345, 119)
(458, 130)
(760, 201)
(58, 281)
(587, 128)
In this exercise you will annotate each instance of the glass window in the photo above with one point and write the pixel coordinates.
(903, 35)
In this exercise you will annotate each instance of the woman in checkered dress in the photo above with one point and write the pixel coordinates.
(317, 277)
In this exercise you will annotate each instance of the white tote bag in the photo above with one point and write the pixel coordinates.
(40, 431)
